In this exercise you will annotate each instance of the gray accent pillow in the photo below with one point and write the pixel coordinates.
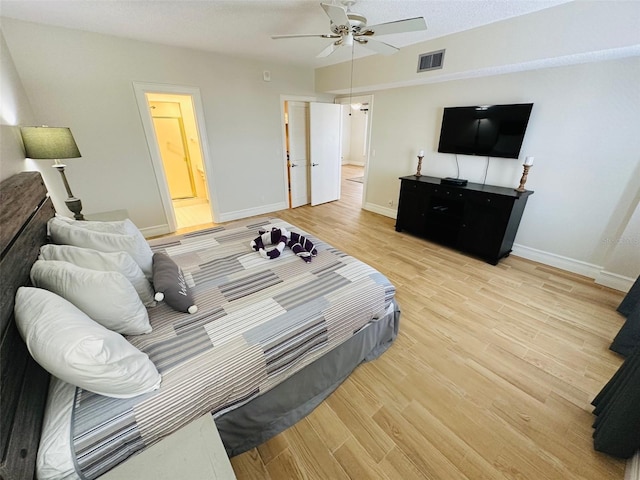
(170, 284)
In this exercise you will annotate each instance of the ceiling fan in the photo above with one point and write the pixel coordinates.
(348, 27)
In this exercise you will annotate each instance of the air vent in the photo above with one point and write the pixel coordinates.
(430, 61)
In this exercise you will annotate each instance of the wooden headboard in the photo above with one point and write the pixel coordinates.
(24, 211)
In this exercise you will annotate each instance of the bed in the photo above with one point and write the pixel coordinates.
(271, 340)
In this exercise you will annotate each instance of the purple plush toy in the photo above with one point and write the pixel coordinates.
(280, 237)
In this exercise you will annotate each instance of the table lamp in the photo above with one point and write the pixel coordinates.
(53, 143)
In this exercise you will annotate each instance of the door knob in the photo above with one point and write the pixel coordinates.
(293, 165)
(315, 164)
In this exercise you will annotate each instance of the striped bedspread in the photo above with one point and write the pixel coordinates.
(259, 321)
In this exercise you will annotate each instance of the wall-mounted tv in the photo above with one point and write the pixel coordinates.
(488, 130)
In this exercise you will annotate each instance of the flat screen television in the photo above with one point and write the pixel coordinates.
(488, 131)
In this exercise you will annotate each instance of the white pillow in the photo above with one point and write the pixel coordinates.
(106, 237)
(125, 226)
(106, 297)
(74, 348)
(106, 262)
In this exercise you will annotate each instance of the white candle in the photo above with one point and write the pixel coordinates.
(421, 153)
(528, 161)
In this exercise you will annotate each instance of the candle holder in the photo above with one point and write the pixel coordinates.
(418, 173)
(523, 179)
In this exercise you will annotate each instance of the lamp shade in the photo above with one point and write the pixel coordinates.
(49, 143)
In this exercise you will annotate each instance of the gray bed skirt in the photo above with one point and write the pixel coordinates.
(264, 417)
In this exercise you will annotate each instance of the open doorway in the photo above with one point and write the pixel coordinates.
(172, 119)
(174, 124)
(311, 141)
(356, 130)
(311, 150)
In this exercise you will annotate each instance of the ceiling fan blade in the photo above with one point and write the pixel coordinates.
(302, 35)
(401, 26)
(329, 50)
(378, 47)
(336, 13)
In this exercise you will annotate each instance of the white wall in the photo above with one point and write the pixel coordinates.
(16, 110)
(84, 81)
(579, 63)
(623, 260)
(581, 133)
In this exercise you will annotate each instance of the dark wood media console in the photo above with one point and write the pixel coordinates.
(478, 219)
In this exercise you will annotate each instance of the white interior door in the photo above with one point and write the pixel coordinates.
(325, 148)
(298, 113)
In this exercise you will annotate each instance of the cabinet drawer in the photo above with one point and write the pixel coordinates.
(407, 186)
(449, 192)
(502, 202)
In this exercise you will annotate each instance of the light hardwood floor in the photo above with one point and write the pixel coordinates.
(491, 376)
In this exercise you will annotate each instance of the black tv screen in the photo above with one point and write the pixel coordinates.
(488, 131)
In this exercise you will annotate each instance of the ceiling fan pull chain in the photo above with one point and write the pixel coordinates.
(351, 81)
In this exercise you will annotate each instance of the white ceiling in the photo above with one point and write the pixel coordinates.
(244, 27)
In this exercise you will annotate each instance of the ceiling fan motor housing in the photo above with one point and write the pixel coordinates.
(356, 22)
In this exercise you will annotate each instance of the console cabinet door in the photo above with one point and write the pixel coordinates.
(411, 207)
(483, 226)
(444, 215)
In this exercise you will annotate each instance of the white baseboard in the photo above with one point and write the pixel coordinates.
(632, 471)
(615, 281)
(387, 212)
(600, 276)
(565, 263)
(251, 212)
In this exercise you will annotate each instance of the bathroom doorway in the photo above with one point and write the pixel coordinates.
(175, 129)
(174, 149)
(172, 118)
